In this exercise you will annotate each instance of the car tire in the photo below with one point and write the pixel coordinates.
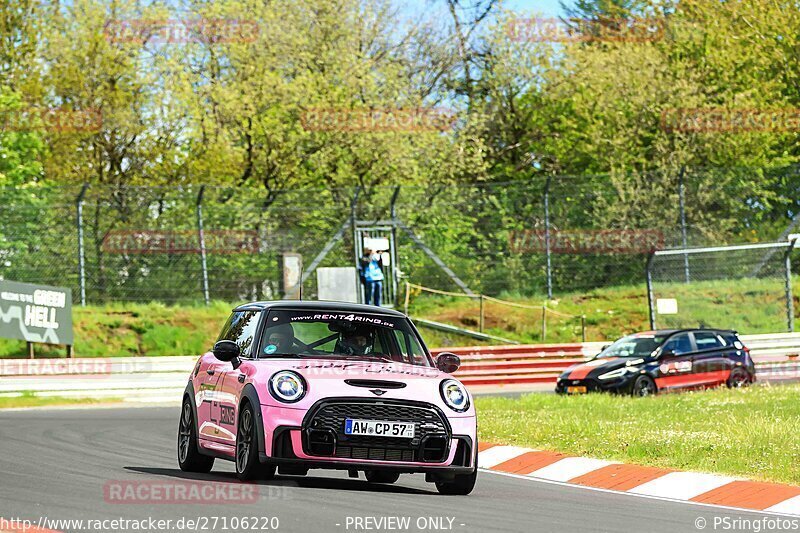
(463, 483)
(381, 476)
(248, 466)
(644, 386)
(189, 457)
(739, 378)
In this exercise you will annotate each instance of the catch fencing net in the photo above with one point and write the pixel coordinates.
(743, 287)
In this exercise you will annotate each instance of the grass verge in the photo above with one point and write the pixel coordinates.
(748, 432)
(32, 400)
(133, 329)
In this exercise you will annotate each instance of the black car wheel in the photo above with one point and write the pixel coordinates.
(381, 476)
(462, 484)
(189, 458)
(644, 386)
(738, 378)
(248, 466)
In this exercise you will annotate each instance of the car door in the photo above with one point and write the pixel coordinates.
(231, 381)
(207, 383)
(676, 368)
(711, 364)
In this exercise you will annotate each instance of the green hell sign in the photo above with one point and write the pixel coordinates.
(35, 313)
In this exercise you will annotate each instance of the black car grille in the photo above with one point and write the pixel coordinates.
(374, 454)
(329, 417)
(590, 384)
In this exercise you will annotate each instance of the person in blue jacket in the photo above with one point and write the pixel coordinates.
(371, 270)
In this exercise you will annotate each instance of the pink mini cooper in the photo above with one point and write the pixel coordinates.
(300, 385)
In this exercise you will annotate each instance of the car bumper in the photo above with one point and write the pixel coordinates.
(574, 386)
(292, 437)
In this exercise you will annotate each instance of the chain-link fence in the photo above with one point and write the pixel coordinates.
(541, 235)
(744, 287)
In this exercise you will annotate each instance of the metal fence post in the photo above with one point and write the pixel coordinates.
(395, 270)
(788, 287)
(682, 208)
(650, 302)
(481, 321)
(547, 237)
(356, 251)
(544, 321)
(202, 238)
(81, 251)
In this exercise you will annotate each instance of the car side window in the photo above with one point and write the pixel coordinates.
(226, 328)
(729, 338)
(707, 340)
(409, 347)
(241, 329)
(679, 344)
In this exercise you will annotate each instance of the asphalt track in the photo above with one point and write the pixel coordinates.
(56, 463)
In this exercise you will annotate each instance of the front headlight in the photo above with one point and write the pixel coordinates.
(618, 373)
(454, 395)
(287, 386)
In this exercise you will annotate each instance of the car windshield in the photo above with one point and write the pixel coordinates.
(360, 336)
(640, 345)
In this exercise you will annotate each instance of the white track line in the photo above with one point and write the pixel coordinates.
(569, 468)
(499, 454)
(681, 485)
(790, 506)
(769, 512)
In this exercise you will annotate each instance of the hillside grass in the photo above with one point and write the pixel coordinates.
(750, 306)
(749, 432)
(133, 329)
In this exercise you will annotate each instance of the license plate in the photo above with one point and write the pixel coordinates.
(576, 390)
(379, 428)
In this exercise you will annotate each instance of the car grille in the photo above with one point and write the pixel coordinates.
(329, 417)
(374, 454)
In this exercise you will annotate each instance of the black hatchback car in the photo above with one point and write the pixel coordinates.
(646, 363)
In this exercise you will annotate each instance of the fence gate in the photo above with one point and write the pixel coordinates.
(379, 235)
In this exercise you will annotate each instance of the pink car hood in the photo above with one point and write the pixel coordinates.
(326, 379)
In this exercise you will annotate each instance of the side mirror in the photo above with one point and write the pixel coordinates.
(448, 362)
(228, 352)
(603, 349)
(667, 353)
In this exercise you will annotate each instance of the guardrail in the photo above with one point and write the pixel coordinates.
(775, 356)
(157, 378)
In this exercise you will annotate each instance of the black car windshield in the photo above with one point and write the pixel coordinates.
(639, 345)
(341, 335)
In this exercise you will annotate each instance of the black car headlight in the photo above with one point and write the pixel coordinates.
(614, 374)
(287, 386)
(454, 395)
(619, 372)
